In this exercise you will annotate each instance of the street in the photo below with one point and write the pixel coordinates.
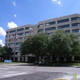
(20, 72)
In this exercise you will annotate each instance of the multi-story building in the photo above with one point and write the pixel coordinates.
(70, 23)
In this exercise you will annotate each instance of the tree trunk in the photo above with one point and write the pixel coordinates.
(64, 59)
(73, 58)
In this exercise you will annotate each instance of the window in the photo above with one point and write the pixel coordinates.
(51, 28)
(11, 40)
(17, 48)
(27, 33)
(6, 36)
(75, 18)
(20, 38)
(27, 28)
(67, 31)
(40, 30)
(18, 43)
(64, 20)
(64, 26)
(12, 35)
(75, 30)
(20, 29)
(31, 32)
(12, 31)
(75, 24)
(20, 34)
(11, 44)
(7, 32)
(40, 25)
(50, 23)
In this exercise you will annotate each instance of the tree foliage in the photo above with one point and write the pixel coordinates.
(59, 44)
(5, 51)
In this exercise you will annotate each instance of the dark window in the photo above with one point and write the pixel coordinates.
(51, 28)
(20, 29)
(40, 25)
(20, 34)
(18, 43)
(75, 30)
(64, 20)
(75, 18)
(67, 31)
(12, 31)
(50, 23)
(27, 28)
(7, 32)
(40, 30)
(64, 26)
(6, 36)
(75, 24)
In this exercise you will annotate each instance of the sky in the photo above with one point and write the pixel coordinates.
(15, 13)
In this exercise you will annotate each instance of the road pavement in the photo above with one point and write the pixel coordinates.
(20, 72)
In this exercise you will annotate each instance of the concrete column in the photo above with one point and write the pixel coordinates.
(26, 58)
(73, 58)
(22, 58)
(18, 58)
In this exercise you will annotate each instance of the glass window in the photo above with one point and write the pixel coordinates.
(64, 26)
(20, 38)
(67, 31)
(40, 30)
(75, 24)
(7, 32)
(20, 29)
(10, 39)
(50, 23)
(18, 43)
(75, 30)
(27, 28)
(51, 28)
(75, 18)
(12, 31)
(27, 33)
(20, 34)
(40, 25)
(11, 44)
(64, 20)
(12, 35)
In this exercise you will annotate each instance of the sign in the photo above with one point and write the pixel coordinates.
(8, 61)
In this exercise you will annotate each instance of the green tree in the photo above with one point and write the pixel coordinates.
(5, 52)
(63, 44)
(36, 45)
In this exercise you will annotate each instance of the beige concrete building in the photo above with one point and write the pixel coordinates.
(70, 23)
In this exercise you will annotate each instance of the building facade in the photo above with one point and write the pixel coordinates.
(15, 36)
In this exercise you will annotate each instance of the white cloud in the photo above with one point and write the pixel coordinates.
(12, 25)
(14, 3)
(1, 43)
(2, 32)
(15, 15)
(57, 2)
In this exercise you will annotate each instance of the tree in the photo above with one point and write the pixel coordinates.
(63, 44)
(5, 52)
(36, 45)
